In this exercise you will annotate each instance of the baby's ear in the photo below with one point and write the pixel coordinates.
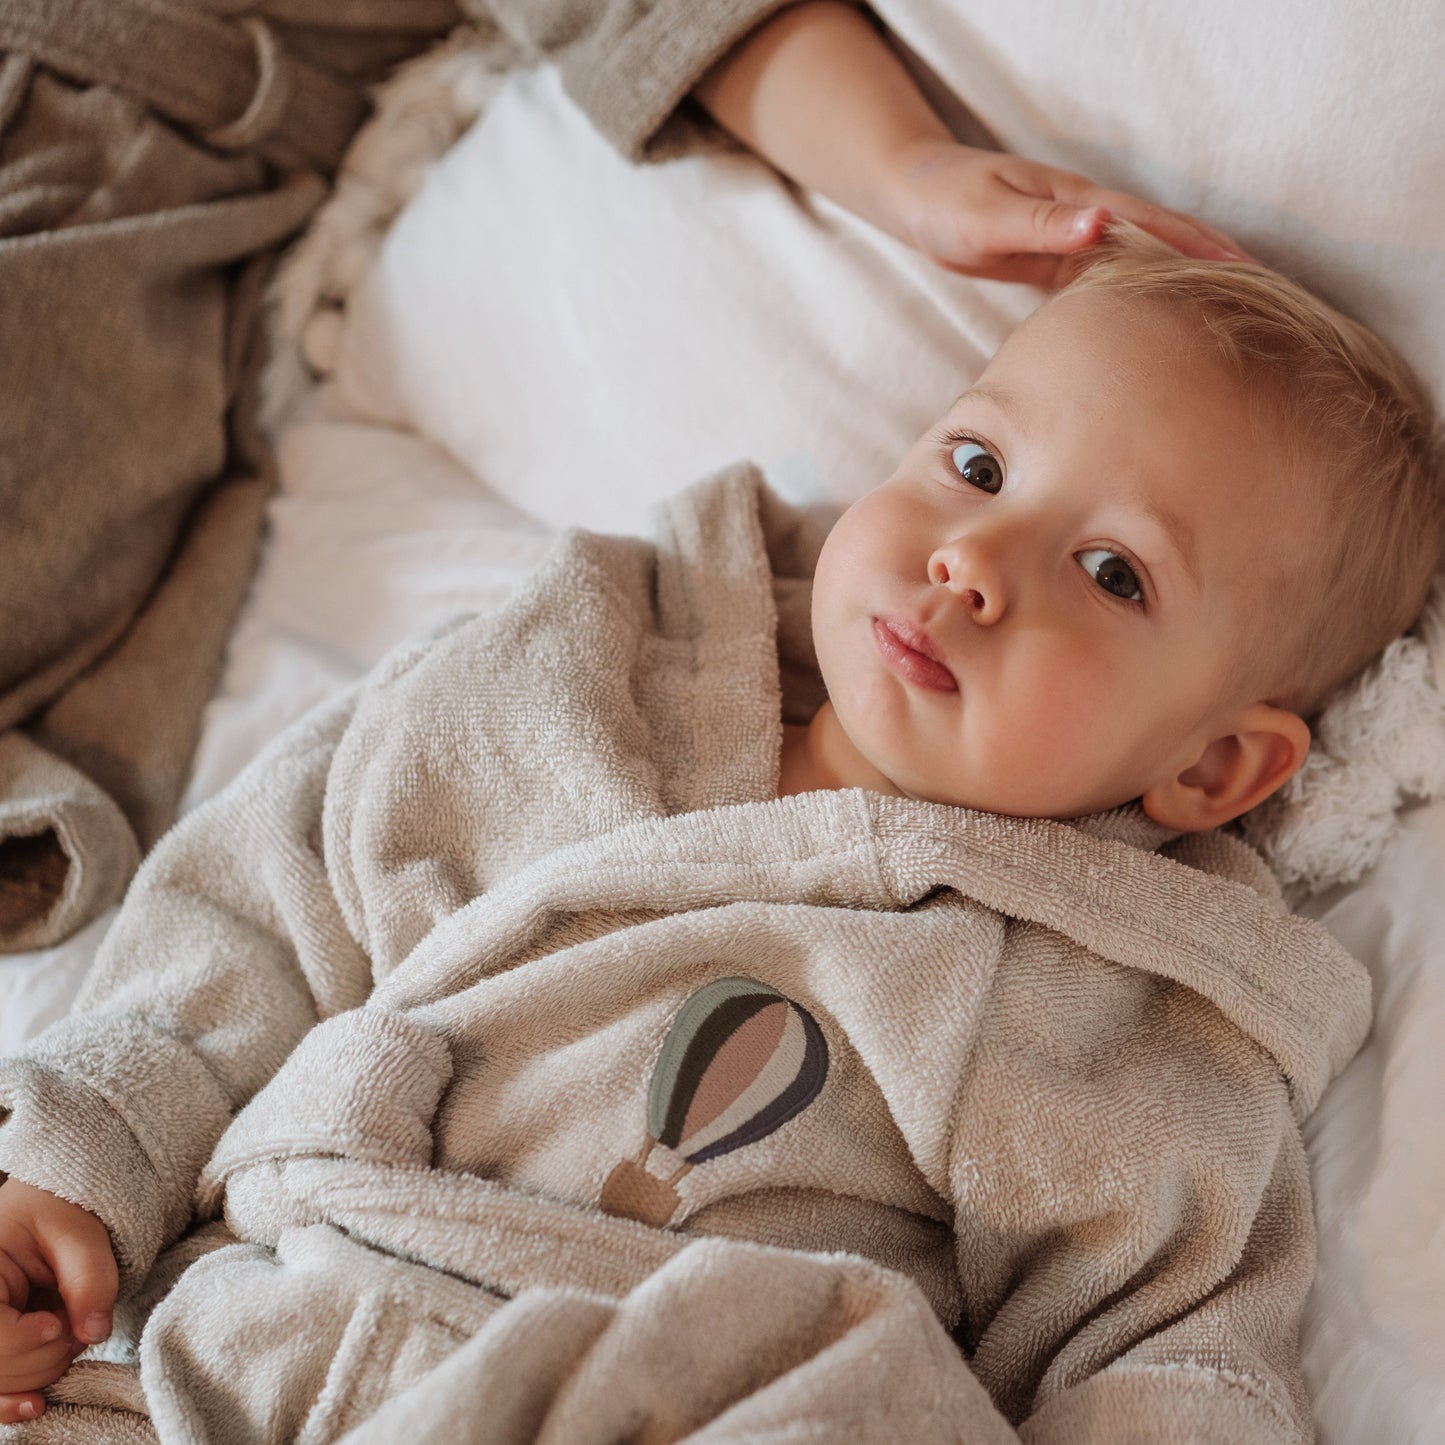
(1261, 753)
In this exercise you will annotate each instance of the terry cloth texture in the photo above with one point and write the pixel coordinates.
(552, 1073)
(152, 157)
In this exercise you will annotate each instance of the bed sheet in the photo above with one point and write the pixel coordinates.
(1374, 1327)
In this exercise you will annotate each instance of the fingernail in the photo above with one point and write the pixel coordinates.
(50, 1330)
(27, 1410)
(1084, 223)
(96, 1328)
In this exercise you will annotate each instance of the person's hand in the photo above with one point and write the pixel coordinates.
(48, 1247)
(982, 213)
(817, 92)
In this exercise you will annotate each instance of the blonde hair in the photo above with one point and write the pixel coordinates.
(1357, 412)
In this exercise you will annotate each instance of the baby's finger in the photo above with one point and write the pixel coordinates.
(22, 1333)
(1028, 240)
(38, 1367)
(14, 1283)
(15, 1409)
(1050, 228)
(1211, 233)
(1049, 272)
(1221, 238)
(1186, 234)
(86, 1275)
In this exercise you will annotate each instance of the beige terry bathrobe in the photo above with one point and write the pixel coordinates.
(544, 1076)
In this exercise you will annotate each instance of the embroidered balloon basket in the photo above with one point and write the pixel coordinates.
(630, 1192)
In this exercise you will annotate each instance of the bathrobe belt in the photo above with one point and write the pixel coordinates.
(492, 1234)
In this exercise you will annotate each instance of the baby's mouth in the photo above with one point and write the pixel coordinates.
(909, 651)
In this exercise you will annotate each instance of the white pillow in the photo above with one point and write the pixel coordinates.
(589, 336)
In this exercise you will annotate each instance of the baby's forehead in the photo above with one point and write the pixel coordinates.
(1139, 332)
(1130, 364)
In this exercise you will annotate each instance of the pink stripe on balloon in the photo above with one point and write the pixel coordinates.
(740, 1060)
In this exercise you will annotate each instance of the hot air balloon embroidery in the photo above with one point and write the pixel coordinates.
(739, 1061)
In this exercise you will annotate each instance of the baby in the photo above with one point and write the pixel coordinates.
(596, 979)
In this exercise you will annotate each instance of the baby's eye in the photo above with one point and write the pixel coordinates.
(978, 466)
(1112, 573)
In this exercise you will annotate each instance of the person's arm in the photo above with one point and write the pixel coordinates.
(819, 93)
(816, 91)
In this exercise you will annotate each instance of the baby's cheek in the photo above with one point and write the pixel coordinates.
(1067, 715)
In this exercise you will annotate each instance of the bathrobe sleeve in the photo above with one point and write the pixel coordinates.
(1227, 1368)
(229, 947)
(629, 64)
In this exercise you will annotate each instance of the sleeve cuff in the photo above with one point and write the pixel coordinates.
(66, 850)
(631, 79)
(1143, 1404)
(131, 1160)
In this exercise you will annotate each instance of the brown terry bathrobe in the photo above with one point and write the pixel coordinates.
(560, 1082)
(153, 153)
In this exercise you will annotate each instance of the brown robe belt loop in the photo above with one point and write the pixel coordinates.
(231, 81)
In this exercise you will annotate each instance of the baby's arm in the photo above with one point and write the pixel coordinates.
(818, 93)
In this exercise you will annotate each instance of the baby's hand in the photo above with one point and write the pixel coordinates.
(48, 1244)
(982, 213)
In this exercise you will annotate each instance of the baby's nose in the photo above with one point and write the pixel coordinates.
(973, 580)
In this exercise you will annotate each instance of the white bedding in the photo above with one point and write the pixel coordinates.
(580, 402)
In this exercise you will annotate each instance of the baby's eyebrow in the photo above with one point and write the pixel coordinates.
(1001, 399)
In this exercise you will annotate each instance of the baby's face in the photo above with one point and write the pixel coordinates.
(1043, 610)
